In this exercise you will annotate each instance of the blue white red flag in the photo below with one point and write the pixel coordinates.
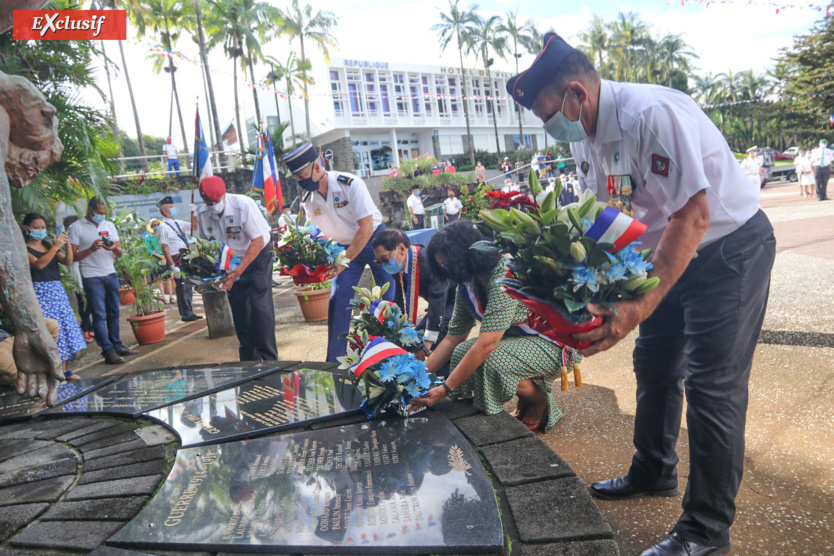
(262, 175)
(202, 160)
(274, 198)
(831, 119)
(376, 351)
(378, 308)
(225, 261)
(617, 228)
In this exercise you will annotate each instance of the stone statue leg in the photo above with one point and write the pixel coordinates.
(28, 144)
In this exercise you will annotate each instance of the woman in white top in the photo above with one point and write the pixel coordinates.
(805, 174)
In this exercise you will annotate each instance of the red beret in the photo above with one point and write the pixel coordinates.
(212, 188)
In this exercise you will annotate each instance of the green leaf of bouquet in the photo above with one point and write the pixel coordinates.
(533, 178)
(605, 246)
(573, 306)
(597, 258)
(586, 207)
(549, 216)
(549, 262)
(574, 219)
(485, 247)
(514, 236)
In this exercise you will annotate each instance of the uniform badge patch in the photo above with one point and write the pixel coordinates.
(616, 157)
(340, 205)
(317, 212)
(660, 165)
(585, 167)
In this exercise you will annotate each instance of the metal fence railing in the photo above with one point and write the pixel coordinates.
(133, 167)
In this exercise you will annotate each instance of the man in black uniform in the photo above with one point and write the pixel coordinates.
(236, 221)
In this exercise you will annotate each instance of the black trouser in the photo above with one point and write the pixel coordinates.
(821, 176)
(452, 217)
(253, 311)
(421, 218)
(85, 313)
(184, 295)
(701, 339)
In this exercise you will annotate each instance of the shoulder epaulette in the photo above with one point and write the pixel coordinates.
(347, 180)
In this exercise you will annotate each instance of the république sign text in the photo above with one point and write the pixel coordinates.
(69, 25)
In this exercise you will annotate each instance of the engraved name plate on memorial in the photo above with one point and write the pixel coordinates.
(14, 407)
(152, 389)
(278, 401)
(400, 486)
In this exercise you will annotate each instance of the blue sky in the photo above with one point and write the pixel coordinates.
(738, 37)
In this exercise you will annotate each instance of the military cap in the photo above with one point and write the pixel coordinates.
(824, 141)
(212, 188)
(301, 157)
(752, 149)
(527, 85)
(166, 200)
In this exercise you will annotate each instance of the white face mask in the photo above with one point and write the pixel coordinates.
(562, 129)
(218, 207)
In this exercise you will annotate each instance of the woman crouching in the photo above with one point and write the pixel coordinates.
(505, 360)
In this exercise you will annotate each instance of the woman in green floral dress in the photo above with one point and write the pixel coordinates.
(507, 358)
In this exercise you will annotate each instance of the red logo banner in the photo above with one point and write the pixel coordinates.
(69, 25)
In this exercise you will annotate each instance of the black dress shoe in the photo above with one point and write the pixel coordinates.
(126, 351)
(622, 489)
(112, 358)
(190, 318)
(674, 545)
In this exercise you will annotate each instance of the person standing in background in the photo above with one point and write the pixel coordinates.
(173, 236)
(480, 172)
(821, 163)
(752, 167)
(452, 207)
(85, 315)
(415, 208)
(170, 152)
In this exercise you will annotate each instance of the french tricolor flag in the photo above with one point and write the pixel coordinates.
(378, 308)
(613, 226)
(830, 119)
(376, 351)
(226, 254)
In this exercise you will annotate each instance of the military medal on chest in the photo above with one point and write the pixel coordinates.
(317, 212)
(620, 190)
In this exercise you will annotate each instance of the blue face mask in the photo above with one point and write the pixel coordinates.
(174, 212)
(564, 130)
(154, 228)
(308, 184)
(37, 234)
(98, 218)
(417, 192)
(391, 266)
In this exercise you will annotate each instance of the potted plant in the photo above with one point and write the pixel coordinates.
(305, 254)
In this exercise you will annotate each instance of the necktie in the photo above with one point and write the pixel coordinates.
(822, 157)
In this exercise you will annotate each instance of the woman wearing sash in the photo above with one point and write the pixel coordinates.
(413, 277)
(506, 358)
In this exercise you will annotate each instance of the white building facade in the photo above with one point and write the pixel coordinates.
(378, 113)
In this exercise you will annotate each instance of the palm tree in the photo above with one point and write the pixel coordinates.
(675, 54)
(595, 40)
(534, 42)
(164, 18)
(486, 34)
(111, 5)
(294, 74)
(230, 22)
(455, 25)
(198, 26)
(302, 23)
(630, 36)
(114, 122)
(518, 33)
(705, 87)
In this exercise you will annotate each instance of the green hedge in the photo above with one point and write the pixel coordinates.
(443, 179)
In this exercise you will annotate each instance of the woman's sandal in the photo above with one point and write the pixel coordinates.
(69, 375)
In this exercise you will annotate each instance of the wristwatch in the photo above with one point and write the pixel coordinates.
(446, 387)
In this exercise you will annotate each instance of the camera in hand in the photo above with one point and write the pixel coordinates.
(107, 242)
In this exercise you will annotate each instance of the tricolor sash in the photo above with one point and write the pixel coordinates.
(617, 228)
(374, 352)
(411, 295)
(520, 328)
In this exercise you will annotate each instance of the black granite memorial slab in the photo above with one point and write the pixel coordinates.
(14, 407)
(400, 486)
(276, 402)
(152, 389)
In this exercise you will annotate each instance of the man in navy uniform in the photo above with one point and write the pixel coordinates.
(340, 205)
(713, 251)
(236, 221)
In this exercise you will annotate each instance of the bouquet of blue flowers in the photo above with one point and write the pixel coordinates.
(564, 257)
(388, 377)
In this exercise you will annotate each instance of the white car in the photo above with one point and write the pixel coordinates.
(793, 151)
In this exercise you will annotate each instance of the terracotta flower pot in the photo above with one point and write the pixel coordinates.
(148, 329)
(126, 296)
(314, 304)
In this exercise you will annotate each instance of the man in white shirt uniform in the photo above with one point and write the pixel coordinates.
(452, 207)
(95, 243)
(752, 167)
(415, 208)
(340, 205)
(173, 236)
(821, 158)
(699, 327)
(170, 152)
(236, 221)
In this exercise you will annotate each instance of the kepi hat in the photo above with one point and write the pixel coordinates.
(301, 157)
(527, 85)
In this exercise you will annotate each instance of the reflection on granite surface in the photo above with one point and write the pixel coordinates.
(13, 406)
(279, 401)
(396, 486)
(154, 389)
